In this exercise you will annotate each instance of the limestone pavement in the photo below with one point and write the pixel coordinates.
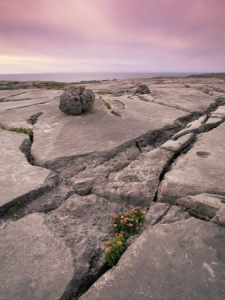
(163, 151)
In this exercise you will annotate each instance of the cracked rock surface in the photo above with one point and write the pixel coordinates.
(182, 260)
(35, 264)
(163, 151)
(18, 179)
(201, 170)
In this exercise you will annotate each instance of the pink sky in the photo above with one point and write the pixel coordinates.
(112, 35)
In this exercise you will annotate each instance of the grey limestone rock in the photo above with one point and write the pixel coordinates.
(220, 217)
(18, 179)
(200, 170)
(182, 260)
(155, 213)
(35, 264)
(84, 223)
(142, 89)
(204, 206)
(175, 214)
(76, 100)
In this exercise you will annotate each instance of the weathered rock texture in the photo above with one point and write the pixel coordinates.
(201, 170)
(143, 89)
(183, 260)
(35, 264)
(137, 184)
(56, 215)
(19, 181)
(76, 100)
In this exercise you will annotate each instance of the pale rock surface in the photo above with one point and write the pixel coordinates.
(183, 260)
(200, 170)
(176, 145)
(35, 264)
(19, 179)
(137, 183)
(203, 205)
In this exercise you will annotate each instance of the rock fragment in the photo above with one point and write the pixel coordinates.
(204, 206)
(142, 89)
(76, 100)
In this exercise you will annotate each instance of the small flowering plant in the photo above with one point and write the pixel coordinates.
(129, 222)
(124, 226)
(114, 249)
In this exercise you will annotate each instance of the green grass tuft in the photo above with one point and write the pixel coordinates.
(23, 130)
(74, 298)
(107, 104)
(12, 210)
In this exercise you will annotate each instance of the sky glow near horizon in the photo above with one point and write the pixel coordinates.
(112, 36)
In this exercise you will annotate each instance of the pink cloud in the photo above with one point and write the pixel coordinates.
(138, 35)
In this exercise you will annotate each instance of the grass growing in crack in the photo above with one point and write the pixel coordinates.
(124, 226)
(107, 104)
(12, 210)
(30, 159)
(23, 130)
(129, 97)
(74, 298)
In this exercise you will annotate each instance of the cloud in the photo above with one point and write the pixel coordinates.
(138, 35)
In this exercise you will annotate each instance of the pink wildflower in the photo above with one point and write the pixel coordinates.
(108, 249)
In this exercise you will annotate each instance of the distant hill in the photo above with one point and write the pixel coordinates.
(209, 75)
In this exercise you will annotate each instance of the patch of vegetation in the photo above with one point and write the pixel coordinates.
(8, 87)
(107, 104)
(124, 226)
(114, 249)
(30, 159)
(50, 85)
(129, 97)
(14, 209)
(15, 82)
(23, 130)
(74, 298)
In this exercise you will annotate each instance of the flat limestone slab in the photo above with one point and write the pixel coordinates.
(85, 224)
(24, 98)
(35, 264)
(200, 170)
(183, 260)
(137, 183)
(58, 135)
(5, 94)
(17, 177)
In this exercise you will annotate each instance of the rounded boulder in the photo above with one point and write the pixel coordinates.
(142, 89)
(76, 100)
